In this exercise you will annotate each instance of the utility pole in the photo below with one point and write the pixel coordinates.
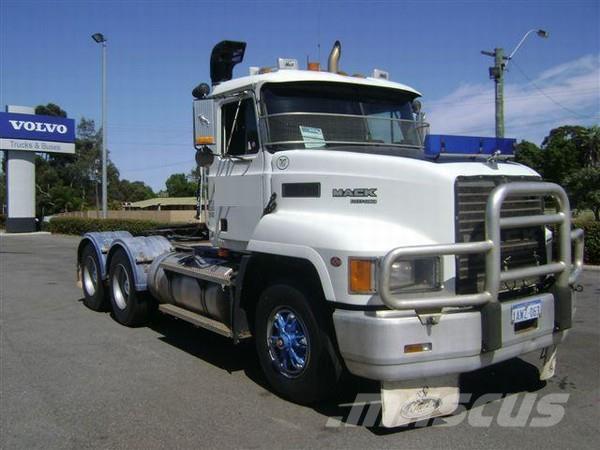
(497, 74)
(104, 132)
(100, 39)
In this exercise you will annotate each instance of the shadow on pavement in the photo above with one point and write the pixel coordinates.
(512, 376)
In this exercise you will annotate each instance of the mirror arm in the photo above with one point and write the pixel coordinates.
(237, 111)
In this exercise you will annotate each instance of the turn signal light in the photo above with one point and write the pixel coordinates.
(205, 140)
(417, 348)
(362, 274)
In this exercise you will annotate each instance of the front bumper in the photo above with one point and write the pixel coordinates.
(373, 343)
(466, 332)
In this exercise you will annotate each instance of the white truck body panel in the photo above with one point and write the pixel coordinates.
(284, 76)
(415, 206)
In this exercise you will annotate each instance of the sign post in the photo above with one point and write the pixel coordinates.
(22, 135)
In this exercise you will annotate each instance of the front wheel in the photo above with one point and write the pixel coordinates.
(294, 345)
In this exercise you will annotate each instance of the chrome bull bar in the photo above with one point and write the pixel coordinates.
(565, 270)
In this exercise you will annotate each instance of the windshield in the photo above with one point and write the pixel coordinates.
(332, 115)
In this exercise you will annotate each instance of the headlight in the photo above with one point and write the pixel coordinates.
(415, 275)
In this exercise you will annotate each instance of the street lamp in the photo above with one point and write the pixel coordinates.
(497, 74)
(100, 39)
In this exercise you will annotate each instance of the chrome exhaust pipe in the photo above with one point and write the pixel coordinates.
(333, 63)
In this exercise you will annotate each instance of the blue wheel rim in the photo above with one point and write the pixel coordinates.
(288, 342)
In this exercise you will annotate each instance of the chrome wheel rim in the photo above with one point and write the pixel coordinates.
(288, 342)
(120, 286)
(90, 276)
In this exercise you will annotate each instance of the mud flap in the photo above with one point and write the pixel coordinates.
(548, 363)
(405, 402)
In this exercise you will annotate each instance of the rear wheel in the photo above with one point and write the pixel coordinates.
(294, 346)
(130, 307)
(94, 292)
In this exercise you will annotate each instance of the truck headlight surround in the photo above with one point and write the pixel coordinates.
(419, 274)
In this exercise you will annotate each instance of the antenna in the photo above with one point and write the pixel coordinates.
(319, 32)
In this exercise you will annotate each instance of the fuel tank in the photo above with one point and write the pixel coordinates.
(188, 290)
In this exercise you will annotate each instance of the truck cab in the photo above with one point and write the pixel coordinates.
(343, 237)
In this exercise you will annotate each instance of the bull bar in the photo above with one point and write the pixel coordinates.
(565, 270)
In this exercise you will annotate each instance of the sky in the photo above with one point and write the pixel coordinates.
(159, 50)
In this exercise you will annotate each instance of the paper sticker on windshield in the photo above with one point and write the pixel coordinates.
(312, 137)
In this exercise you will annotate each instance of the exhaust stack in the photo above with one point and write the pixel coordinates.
(333, 63)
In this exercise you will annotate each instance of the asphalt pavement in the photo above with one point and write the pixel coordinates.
(74, 378)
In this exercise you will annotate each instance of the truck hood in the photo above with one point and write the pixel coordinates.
(369, 204)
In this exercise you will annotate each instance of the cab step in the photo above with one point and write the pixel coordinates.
(196, 319)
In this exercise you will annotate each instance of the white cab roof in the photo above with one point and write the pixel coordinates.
(284, 76)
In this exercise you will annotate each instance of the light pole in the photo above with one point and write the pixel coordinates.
(100, 39)
(497, 74)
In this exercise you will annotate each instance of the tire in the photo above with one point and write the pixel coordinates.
(130, 307)
(299, 362)
(94, 291)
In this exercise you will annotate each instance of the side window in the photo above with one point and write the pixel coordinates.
(240, 133)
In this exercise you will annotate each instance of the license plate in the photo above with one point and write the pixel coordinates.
(526, 311)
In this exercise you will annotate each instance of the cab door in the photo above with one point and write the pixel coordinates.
(236, 188)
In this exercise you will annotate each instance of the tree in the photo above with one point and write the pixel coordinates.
(134, 191)
(72, 182)
(77, 172)
(583, 186)
(178, 185)
(50, 110)
(564, 153)
(531, 155)
(569, 156)
(591, 146)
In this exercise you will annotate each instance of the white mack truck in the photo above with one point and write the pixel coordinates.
(341, 236)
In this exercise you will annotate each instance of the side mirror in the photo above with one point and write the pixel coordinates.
(204, 156)
(205, 130)
(422, 126)
(416, 106)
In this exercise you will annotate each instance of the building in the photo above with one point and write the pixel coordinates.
(162, 204)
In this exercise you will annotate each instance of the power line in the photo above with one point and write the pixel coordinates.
(145, 144)
(141, 169)
(548, 96)
(149, 127)
(510, 97)
(518, 127)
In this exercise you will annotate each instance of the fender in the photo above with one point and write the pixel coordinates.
(287, 232)
(140, 251)
(101, 242)
(298, 251)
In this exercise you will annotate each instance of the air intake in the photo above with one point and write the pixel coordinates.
(225, 55)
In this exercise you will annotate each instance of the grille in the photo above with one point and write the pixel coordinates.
(520, 246)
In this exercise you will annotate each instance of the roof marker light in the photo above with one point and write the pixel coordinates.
(287, 64)
(381, 74)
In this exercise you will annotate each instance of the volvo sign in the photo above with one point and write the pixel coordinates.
(31, 132)
(22, 135)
